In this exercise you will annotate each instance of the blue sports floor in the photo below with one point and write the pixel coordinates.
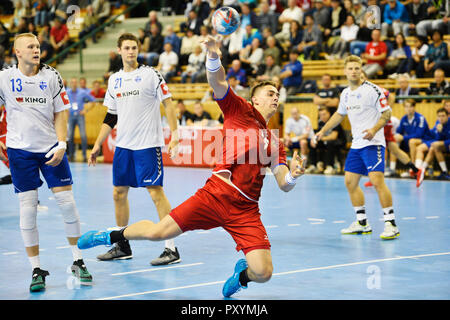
(311, 259)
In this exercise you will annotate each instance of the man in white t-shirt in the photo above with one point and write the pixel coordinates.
(291, 13)
(133, 99)
(168, 61)
(36, 109)
(368, 112)
(298, 133)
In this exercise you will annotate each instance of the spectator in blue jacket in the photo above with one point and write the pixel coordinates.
(395, 16)
(413, 128)
(247, 15)
(291, 74)
(250, 34)
(173, 39)
(238, 72)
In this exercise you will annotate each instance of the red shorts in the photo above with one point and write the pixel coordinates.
(388, 134)
(218, 204)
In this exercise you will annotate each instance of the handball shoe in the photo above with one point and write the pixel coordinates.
(232, 285)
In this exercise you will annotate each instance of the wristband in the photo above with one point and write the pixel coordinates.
(290, 180)
(213, 65)
(61, 145)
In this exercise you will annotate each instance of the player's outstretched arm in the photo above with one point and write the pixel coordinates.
(215, 72)
(287, 177)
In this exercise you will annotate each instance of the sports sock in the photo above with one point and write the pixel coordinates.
(170, 244)
(418, 163)
(389, 215)
(35, 262)
(76, 253)
(361, 215)
(443, 166)
(117, 236)
(413, 167)
(393, 165)
(243, 278)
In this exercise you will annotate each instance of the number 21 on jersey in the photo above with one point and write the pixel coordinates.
(16, 85)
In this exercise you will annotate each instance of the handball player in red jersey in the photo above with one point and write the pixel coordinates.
(230, 196)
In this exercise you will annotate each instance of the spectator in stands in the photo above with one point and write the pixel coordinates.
(196, 66)
(251, 57)
(152, 47)
(40, 9)
(20, 11)
(395, 18)
(375, 54)
(266, 18)
(90, 22)
(418, 52)
(59, 38)
(417, 11)
(97, 91)
(102, 10)
(437, 56)
(349, 32)
(115, 64)
(183, 115)
(322, 16)
(412, 129)
(338, 17)
(440, 86)
(328, 95)
(173, 39)
(311, 44)
(358, 11)
(61, 10)
(248, 17)
(200, 117)
(273, 50)
(324, 153)
(269, 69)
(250, 34)
(46, 47)
(234, 84)
(214, 5)
(291, 13)
(237, 71)
(363, 37)
(188, 43)
(397, 61)
(193, 23)
(78, 98)
(204, 33)
(295, 36)
(167, 63)
(5, 36)
(438, 18)
(22, 27)
(153, 20)
(291, 73)
(235, 41)
(32, 28)
(404, 88)
(298, 133)
(51, 11)
(201, 8)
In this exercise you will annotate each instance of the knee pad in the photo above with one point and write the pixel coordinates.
(28, 202)
(66, 204)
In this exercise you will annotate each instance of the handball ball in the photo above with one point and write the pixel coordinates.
(225, 20)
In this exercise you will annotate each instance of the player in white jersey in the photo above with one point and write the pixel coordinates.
(36, 104)
(368, 112)
(133, 99)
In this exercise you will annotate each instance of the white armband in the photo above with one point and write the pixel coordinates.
(61, 145)
(290, 180)
(213, 65)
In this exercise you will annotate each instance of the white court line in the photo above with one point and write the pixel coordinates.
(316, 219)
(204, 284)
(271, 226)
(293, 225)
(10, 253)
(202, 232)
(63, 247)
(432, 217)
(157, 269)
(339, 221)
(409, 218)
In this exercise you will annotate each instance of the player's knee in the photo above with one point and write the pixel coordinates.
(263, 273)
(156, 192)
(119, 194)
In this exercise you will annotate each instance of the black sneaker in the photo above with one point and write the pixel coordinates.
(80, 271)
(120, 251)
(167, 257)
(6, 179)
(38, 280)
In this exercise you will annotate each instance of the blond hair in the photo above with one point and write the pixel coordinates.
(352, 58)
(23, 35)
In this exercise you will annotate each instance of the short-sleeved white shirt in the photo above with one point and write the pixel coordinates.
(364, 106)
(31, 104)
(135, 98)
(299, 127)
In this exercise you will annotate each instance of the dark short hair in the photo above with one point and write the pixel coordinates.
(260, 85)
(442, 110)
(126, 36)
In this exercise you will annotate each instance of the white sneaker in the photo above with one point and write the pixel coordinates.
(356, 228)
(329, 170)
(390, 231)
(405, 174)
(311, 169)
(388, 173)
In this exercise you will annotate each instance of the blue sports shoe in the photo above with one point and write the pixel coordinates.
(94, 238)
(232, 285)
